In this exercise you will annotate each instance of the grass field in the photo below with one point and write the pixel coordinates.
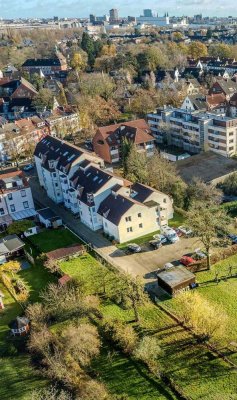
(17, 378)
(49, 240)
(198, 372)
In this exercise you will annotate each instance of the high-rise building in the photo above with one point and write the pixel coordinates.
(113, 14)
(148, 13)
(92, 18)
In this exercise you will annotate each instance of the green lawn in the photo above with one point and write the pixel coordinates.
(177, 220)
(17, 378)
(36, 278)
(199, 373)
(49, 240)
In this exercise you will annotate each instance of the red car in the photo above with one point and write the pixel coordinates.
(186, 260)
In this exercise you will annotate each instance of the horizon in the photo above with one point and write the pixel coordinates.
(51, 8)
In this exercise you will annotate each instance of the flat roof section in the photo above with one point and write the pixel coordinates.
(176, 276)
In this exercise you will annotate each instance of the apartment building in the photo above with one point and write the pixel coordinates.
(102, 200)
(16, 200)
(56, 161)
(194, 131)
(130, 212)
(108, 140)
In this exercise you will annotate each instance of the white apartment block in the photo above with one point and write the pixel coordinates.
(16, 200)
(194, 131)
(102, 200)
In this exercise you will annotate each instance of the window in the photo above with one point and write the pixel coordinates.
(127, 219)
(54, 174)
(164, 200)
(12, 207)
(106, 224)
(140, 226)
(1, 211)
(56, 185)
(25, 204)
(9, 196)
(23, 193)
(129, 229)
(139, 215)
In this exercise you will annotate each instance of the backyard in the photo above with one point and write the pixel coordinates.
(199, 373)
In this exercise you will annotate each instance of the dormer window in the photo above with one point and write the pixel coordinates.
(90, 198)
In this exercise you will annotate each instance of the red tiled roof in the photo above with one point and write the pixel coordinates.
(64, 279)
(138, 131)
(216, 99)
(65, 252)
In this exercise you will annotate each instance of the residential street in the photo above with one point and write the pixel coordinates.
(142, 264)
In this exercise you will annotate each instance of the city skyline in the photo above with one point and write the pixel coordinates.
(74, 8)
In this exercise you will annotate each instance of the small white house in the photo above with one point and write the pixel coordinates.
(48, 218)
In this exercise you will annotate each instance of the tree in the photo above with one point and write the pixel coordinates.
(207, 320)
(90, 389)
(142, 103)
(18, 227)
(132, 292)
(51, 393)
(122, 334)
(197, 50)
(125, 151)
(82, 342)
(221, 50)
(136, 166)
(43, 100)
(198, 190)
(148, 352)
(229, 186)
(163, 176)
(78, 62)
(206, 222)
(10, 266)
(97, 84)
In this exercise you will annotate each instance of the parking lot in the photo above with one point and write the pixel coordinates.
(148, 261)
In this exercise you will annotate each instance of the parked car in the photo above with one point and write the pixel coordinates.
(134, 248)
(199, 254)
(168, 266)
(28, 167)
(170, 234)
(233, 238)
(187, 260)
(156, 244)
(185, 230)
(160, 238)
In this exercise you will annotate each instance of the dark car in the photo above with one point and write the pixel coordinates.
(156, 244)
(233, 238)
(28, 167)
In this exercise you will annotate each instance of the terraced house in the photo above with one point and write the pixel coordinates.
(102, 200)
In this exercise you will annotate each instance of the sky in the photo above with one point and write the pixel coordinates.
(82, 8)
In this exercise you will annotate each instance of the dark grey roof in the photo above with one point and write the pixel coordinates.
(19, 322)
(54, 149)
(114, 207)
(42, 62)
(176, 276)
(48, 214)
(198, 101)
(143, 192)
(10, 244)
(90, 181)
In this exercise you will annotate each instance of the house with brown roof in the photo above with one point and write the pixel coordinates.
(108, 140)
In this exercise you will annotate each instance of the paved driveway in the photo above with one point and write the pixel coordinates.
(136, 264)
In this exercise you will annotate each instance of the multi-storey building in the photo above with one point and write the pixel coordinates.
(16, 200)
(47, 66)
(108, 140)
(194, 131)
(102, 200)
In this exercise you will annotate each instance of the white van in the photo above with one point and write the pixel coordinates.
(169, 233)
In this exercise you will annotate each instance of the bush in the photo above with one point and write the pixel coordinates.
(122, 334)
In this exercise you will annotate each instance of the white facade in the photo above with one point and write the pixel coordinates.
(195, 131)
(16, 199)
(86, 189)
